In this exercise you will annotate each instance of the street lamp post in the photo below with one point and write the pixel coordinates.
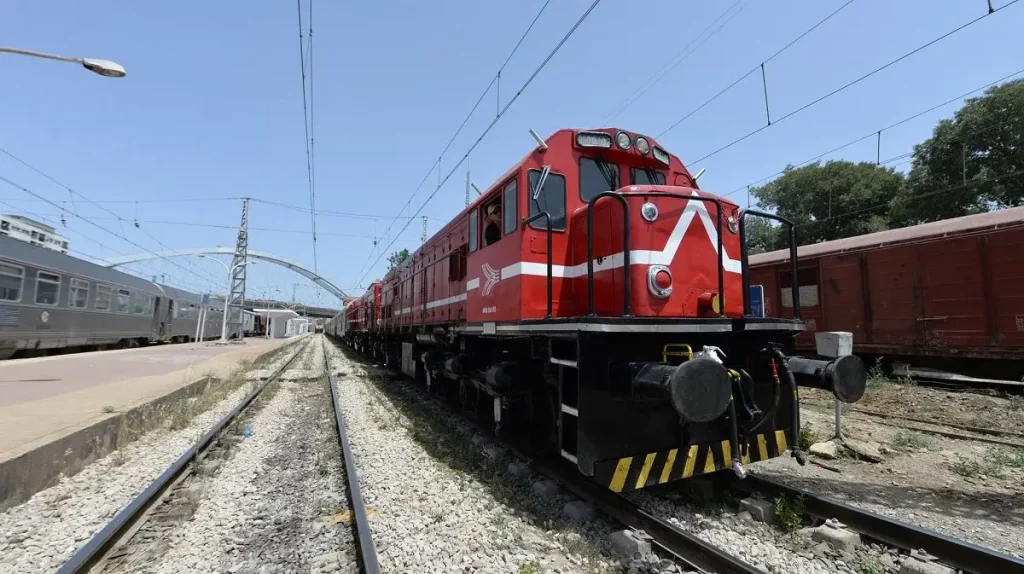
(231, 271)
(101, 67)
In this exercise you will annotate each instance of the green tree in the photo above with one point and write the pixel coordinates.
(831, 201)
(762, 236)
(970, 163)
(397, 258)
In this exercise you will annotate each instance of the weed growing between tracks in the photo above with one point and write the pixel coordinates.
(789, 511)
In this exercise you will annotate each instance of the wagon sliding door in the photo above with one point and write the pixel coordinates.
(894, 296)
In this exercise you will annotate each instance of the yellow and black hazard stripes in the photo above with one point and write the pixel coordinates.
(647, 469)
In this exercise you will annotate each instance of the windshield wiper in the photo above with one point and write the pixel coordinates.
(606, 173)
(652, 177)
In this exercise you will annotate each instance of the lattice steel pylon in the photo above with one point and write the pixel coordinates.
(239, 265)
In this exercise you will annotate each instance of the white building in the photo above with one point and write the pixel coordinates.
(31, 231)
(277, 321)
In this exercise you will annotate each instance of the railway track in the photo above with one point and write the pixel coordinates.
(959, 554)
(686, 549)
(136, 530)
(692, 552)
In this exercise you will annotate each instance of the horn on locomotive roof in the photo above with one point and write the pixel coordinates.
(699, 173)
(540, 142)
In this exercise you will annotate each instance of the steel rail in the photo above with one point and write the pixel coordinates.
(960, 554)
(93, 551)
(366, 548)
(685, 547)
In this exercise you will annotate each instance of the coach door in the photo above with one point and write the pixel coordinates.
(158, 323)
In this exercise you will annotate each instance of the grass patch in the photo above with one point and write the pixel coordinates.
(108, 409)
(1005, 458)
(532, 567)
(910, 440)
(966, 467)
(808, 436)
(789, 512)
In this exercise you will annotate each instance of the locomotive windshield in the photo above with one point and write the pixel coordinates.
(596, 176)
(646, 176)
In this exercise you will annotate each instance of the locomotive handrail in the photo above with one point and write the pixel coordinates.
(721, 250)
(744, 255)
(547, 224)
(625, 250)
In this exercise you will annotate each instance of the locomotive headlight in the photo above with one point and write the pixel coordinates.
(659, 281)
(734, 224)
(642, 145)
(661, 155)
(593, 139)
(649, 211)
(623, 141)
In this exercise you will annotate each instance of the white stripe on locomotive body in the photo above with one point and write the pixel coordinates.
(636, 257)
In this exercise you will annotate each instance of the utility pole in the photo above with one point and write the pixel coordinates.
(239, 264)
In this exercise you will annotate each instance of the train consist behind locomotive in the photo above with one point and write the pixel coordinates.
(52, 302)
(946, 293)
(594, 303)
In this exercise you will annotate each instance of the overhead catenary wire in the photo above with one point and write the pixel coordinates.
(759, 67)
(952, 188)
(490, 126)
(205, 225)
(119, 219)
(677, 59)
(854, 82)
(496, 78)
(877, 132)
(114, 233)
(306, 122)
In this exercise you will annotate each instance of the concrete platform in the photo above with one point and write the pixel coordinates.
(43, 399)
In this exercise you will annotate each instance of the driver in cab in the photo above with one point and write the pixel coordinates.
(492, 233)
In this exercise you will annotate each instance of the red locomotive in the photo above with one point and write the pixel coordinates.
(593, 303)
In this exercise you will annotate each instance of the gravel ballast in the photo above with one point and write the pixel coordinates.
(277, 502)
(439, 504)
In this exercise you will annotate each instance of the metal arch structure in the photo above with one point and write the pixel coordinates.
(312, 276)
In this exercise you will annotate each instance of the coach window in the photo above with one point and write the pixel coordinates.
(550, 199)
(124, 301)
(79, 294)
(102, 298)
(597, 176)
(473, 236)
(644, 176)
(140, 304)
(47, 288)
(511, 201)
(808, 277)
(10, 283)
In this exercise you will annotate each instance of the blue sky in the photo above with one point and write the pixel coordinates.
(212, 107)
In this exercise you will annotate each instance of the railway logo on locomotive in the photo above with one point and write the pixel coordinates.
(493, 277)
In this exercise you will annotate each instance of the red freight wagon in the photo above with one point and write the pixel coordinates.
(951, 289)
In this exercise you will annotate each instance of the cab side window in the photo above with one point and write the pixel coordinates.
(511, 203)
(550, 199)
(473, 237)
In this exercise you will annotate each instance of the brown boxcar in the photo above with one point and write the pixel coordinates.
(951, 289)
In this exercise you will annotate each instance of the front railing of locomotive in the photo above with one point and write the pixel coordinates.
(702, 383)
